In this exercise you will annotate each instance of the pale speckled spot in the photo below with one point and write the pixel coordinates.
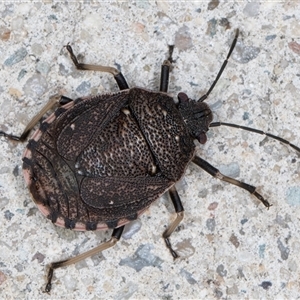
(126, 111)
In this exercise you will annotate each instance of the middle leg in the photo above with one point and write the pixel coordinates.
(216, 173)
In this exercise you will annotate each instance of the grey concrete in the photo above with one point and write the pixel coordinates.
(230, 245)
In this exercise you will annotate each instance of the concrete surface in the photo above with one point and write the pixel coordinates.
(231, 247)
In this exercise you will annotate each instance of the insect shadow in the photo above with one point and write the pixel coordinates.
(99, 162)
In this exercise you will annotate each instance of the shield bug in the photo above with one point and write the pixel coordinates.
(99, 162)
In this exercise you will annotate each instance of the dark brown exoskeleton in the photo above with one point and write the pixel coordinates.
(99, 162)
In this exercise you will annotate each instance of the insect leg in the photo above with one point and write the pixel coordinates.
(216, 173)
(116, 73)
(180, 213)
(53, 101)
(165, 70)
(222, 67)
(274, 137)
(116, 235)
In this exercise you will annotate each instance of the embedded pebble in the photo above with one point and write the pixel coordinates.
(188, 276)
(142, 258)
(16, 171)
(84, 88)
(221, 270)
(218, 293)
(203, 193)
(185, 248)
(22, 74)
(245, 116)
(35, 86)
(87, 281)
(251, 9)
(70, 282)
(293, 196)
(285, 251)
(266, 285)
(39, 256)
(97, 259)
(79, 246)
(68, 235)
(295, 47)
(211, 27)
(245, 256)
(8, 215)
(19, 267)
(64, 71)
(213, 4)
(234, 240)
(216, 105)
(17, 23)
(2, 277)
(3, 244)
(213, 206)
(283, 221)
(217, 187)
(37, 49)
(233, 290)
(240, 273)
(243, 54)
(271, 37)
(18, 56)
(225, 23)
(293, 265)
(262, 249)
(81, 264)
(42, 67)
(8, 10)
(211, 224)
(3, 202)
(183, 40)
(182, 185)
(131, 229)
(127, 291)
(4, 33)
(231, 169)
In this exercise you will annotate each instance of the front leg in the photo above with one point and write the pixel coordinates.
(118, 76)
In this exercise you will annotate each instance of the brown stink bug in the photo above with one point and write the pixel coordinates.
(99, 162)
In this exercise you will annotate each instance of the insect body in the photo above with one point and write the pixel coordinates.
(99, 162)
(89, 186)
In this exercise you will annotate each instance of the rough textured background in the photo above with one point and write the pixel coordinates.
(230, 245)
